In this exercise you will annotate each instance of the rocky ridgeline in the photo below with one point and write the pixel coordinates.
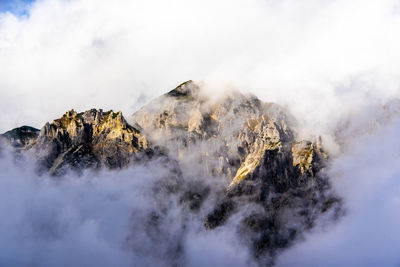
(250, 144)
(76, 141)
(273, 180)
(22, 138)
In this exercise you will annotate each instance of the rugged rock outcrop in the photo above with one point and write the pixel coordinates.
(250, 144)
(77, 141)
(92, 138)
(267, 177)
(228, 135)
(21, 138)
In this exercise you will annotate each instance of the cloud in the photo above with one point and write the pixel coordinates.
(103, 219)
(321, 58)
(329, 62)
(72, 221)
(367, 177)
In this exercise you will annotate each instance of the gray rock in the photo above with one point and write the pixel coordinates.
(253, 146)
(247, 147)
(21, 137)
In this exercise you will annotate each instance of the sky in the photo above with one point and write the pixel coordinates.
(18, 7)
(323, 59)
(335, 64)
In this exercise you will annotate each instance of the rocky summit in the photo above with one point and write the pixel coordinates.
(253, 146)
(75, 141)
(269, 176)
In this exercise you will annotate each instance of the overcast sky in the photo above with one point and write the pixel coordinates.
(322, 58)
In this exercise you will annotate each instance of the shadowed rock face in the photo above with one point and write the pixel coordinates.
(22, 137)
(272, 181)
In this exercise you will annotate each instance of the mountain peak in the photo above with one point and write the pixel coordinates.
(252, 146)
(247, 144)
(21, 137)
(188, 88)
(88, 139)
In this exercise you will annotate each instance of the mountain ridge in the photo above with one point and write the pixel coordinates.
(246, 143)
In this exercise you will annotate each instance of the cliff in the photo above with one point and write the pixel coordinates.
(252, 145)
(248, 147)
(76, 141)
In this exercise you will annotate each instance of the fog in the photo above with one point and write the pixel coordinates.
(367, 177)
(321, 58)
(334, 64)
(104, 219)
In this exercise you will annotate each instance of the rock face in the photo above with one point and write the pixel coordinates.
(93, 138)
(77, 141)
(250, 144)
(228, 135)
(265, 174)
(21, 138)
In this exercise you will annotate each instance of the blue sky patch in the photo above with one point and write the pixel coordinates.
(18, 7)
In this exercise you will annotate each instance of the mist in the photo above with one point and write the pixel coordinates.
(104, 219)
(323, 59)
(367, 177)
(334, 64)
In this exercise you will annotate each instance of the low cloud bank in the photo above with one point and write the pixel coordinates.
(103, 219)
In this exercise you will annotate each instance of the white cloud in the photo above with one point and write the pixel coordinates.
(367, 177)
(103, 219)
(322, 58)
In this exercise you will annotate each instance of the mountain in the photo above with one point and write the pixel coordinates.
(243, 150)
(252, 145)
(22, 137)
(89, 139)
